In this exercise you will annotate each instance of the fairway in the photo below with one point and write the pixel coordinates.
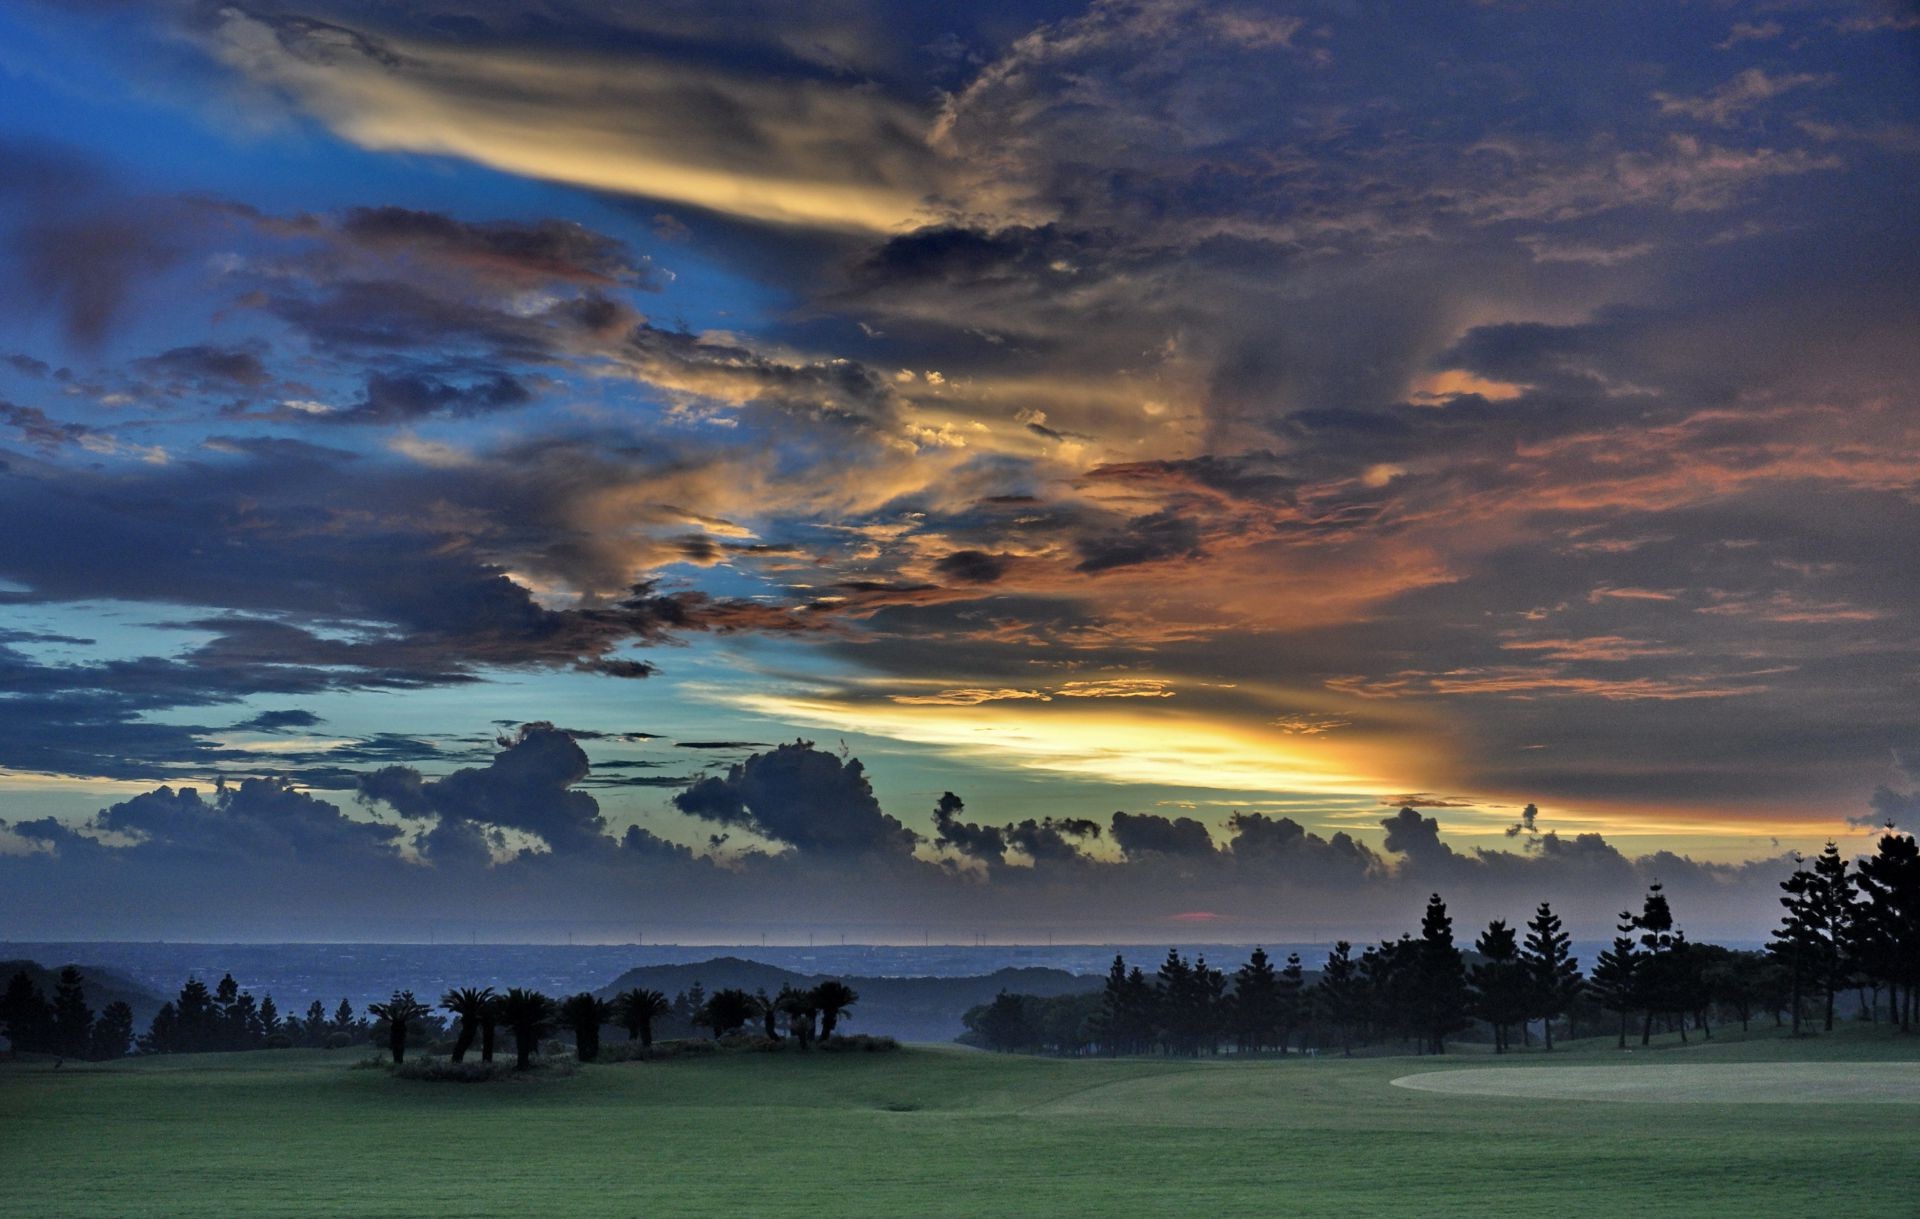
(935, 1132)
(1772, 1083)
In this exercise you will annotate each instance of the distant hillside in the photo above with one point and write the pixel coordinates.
(912, 1009)
(101, 987)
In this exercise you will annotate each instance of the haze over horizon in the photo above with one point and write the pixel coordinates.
(734, 465)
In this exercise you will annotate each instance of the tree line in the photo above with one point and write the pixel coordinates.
(1843, 929)
(226, 1018)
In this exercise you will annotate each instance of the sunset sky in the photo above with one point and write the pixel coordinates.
(1190, 409)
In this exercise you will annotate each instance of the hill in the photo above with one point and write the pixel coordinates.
(911, 1009)
(100, 986)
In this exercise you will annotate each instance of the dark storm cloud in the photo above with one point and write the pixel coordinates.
(972, 566)
(539, 252)
(530, 785)
(206, 366)
(279, 721)
(405, 397)
(802, 797)
(1141, 834)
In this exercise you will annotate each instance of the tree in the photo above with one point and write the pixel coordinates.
(1256, 1003)
(112, 1033)
(1340, 997)
(1552, 969)
(833, 997)
(727, 1011)
(768, 1013)
(1003, 1024)
(1293, 999)
(469, 1006)
(400, 1013)
(343, 1018)
(314, 1028)
(1502, 987)
(635, 1011)
(530, 1015)
(1817, 929)
(1656, 977)
(1614, 982)
(584, 1013)
(1441, 978)
(197, 1020)
(269, 1017)
(25, 1016)
(798, 1006)
(1888, 934)
(72, 1032)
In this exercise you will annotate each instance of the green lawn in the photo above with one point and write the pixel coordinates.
(934, 1132)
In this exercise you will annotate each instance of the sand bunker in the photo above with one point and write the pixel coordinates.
(1720, 1083)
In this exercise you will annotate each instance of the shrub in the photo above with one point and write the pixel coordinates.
(338, 1041)
(446, 1071)
(865, 1043)
(279, 1041)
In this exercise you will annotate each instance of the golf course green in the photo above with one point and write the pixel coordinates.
(946, 1131)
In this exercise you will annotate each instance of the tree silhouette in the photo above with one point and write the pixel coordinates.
(530, 1015)
(399, 1012)
(1502, 986)
(112, 1033)
(833, 998)
(1256, 1003)
(798, 1006)
(635, 1011)
(470, 1007)
(1340, 995)
(1552, 969)
(768, 1013)
(726, 1011)
(25, 1016)
(1888, 928)
(72, 1032)
(1442, 983)
(584, 1013)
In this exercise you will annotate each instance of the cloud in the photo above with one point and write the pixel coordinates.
(802, 797)
(781, 143)
(530, 785)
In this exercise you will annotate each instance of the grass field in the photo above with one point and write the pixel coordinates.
(937, 1132)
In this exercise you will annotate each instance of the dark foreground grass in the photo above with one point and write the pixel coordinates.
(932, 1132)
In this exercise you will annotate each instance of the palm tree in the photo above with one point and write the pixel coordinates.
(833, 998)
(637, 1009)
(530, 1015)
(769, 1014)
(489, 1022)
(399, 1012)
(584, 1014)
(469, 1006)
(799, 1009)
(726, 1011)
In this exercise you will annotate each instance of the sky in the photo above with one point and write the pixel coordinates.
(1113, 470)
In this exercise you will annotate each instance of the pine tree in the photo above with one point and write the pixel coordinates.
(1615, 981)
(1256, 1003)
(1340, 994)
(1441, 985)
(1553, 970)
(72, 1018)
(25, 1017)
(1502, 988)
(1293, 999)
(112, 1033)
(1888, 933)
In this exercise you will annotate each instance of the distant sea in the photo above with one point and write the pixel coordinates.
(297, 974)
